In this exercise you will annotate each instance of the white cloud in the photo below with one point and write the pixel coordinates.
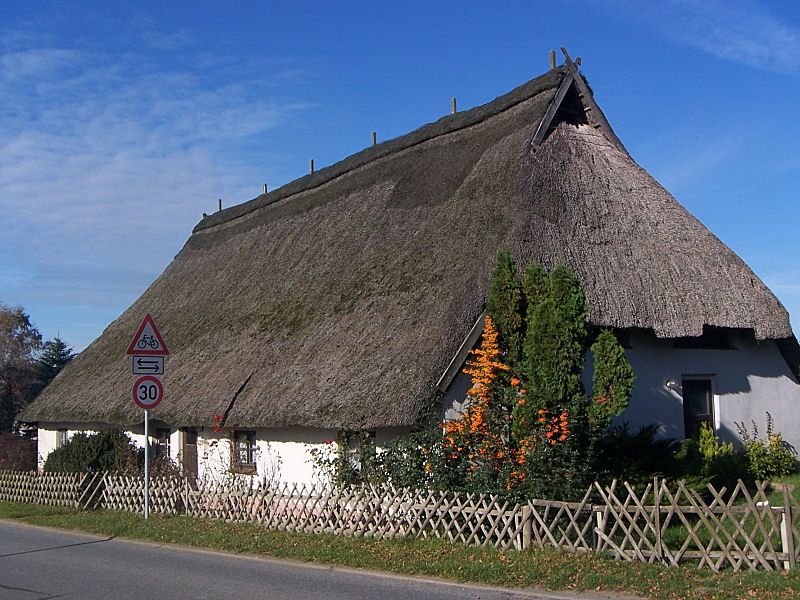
(35, 63)
(107, 162)
(741, 31)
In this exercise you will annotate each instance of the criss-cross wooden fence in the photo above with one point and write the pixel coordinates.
(126, 493)
(381, 512)
(736, 529)
(53, 489)
(668, 523)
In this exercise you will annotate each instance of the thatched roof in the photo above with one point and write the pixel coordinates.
(339, 299)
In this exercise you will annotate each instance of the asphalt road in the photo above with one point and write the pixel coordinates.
(38, 563)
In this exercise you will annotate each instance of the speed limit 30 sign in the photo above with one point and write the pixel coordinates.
(148, 392)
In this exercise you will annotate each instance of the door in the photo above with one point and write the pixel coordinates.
(698, 403)
(190, 453)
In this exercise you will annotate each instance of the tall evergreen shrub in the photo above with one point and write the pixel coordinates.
(506, 306)
(555, 345)
(612, 381)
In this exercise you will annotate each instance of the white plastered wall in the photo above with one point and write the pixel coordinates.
(747, 381)
(48, 436)
(284, 454)
(290, 450)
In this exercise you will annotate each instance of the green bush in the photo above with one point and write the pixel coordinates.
(554, 471)
(639, 457)
(769, 458)
(636, 457)
(719, 461)
(109, 450)
(402, 462)
(711, 449)
(690, 468)
(348, 461)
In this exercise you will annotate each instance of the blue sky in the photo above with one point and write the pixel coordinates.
(123, 122)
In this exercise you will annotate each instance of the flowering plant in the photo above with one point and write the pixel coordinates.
(218, 423)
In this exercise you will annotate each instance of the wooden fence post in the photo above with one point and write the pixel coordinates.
(599, 526)
(659, 548)
(527, 526)
(787, 531)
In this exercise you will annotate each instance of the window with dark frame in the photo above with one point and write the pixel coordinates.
(245, 450)
(162, 442)
(62, 437)
(698, 406)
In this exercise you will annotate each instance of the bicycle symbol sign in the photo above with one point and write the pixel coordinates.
(148, 350)
(148, 392)
(148, 340)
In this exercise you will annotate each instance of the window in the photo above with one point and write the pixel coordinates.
(162, 443)
(244, 458)
(360, 451)
(698, 404)
(62, 437)
(713, 338)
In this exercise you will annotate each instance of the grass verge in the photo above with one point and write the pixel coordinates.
(431, 558)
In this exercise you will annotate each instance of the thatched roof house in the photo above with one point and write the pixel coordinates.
(339, 299)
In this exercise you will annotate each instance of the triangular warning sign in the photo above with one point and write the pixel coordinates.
(148, 340)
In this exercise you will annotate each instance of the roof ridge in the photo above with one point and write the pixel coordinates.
(445, 125)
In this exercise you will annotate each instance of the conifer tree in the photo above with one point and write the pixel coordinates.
(612, 381)
(555, 345)
(506, 306)
(534, 286)
(54, 357)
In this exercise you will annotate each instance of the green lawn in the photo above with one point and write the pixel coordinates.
(776, 496)
(432, 558)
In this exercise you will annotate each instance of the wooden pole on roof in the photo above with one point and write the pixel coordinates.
(265, 187)
(453, 106)
(219, 204)
(374, 137)
(311, 165)
(552, 59)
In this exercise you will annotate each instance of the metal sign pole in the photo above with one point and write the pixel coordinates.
(147, 351)
(146, 466)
